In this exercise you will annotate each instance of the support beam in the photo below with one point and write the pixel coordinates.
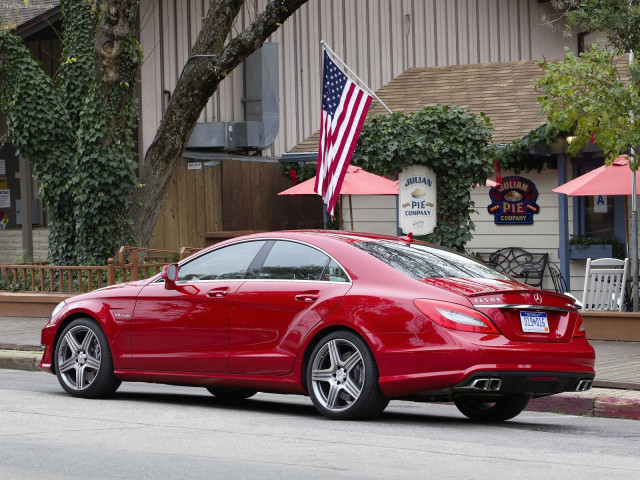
(26, 194)
(563, 222)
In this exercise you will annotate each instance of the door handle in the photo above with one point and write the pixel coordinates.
(218, 292)
(307, 297)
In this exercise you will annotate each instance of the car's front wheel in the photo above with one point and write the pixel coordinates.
(498, 410)
(342, 378)
(83, 361)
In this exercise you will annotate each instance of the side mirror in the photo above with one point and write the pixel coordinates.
(170, 276)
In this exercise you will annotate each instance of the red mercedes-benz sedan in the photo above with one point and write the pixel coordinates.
(352, 320)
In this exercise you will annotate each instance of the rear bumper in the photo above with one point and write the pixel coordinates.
(410, 365)
(530, 383)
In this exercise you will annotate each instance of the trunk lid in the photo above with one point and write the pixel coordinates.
(520, 312)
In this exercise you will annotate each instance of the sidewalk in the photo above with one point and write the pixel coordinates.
(616, 392)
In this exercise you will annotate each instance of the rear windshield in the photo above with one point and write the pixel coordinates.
(426, 261)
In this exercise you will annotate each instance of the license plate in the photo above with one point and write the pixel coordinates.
(534, 322)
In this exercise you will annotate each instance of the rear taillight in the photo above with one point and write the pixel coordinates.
(456, 317)
(579, 330)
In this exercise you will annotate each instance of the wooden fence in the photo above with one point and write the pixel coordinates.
(230, 195)
(134, 263)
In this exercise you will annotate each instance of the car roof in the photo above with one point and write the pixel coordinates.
(341, 235)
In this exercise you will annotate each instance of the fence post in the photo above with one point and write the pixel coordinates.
(134, 259)
(111, 272)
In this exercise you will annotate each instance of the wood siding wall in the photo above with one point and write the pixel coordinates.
(379, 40)
(371, 213)
(227, 195)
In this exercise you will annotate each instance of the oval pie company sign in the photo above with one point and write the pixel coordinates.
(417, 190)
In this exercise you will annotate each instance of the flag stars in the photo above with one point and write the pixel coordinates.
(334, 82)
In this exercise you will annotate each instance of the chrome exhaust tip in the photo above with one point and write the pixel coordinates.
(584, 385)
(487, 384)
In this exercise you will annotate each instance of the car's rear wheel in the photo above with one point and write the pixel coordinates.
(342, 378)
(83, 362)
(498, 410)
(231, 394)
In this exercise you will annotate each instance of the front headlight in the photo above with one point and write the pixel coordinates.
(58, 309)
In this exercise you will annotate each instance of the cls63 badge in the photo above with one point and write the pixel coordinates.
(514, 201)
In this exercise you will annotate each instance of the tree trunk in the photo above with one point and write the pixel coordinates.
(212, 60)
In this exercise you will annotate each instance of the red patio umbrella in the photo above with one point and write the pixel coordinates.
(614, 179)
(356, 182)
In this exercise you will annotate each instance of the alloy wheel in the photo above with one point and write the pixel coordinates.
(338, 374)
(79, 357)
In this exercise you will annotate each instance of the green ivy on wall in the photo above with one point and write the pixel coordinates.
(77, 130)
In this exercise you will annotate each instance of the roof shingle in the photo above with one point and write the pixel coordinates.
(14, 13)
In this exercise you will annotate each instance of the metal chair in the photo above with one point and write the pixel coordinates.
(559, 283)
(605, 284)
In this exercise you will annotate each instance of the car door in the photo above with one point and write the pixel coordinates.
(185, 329)
(294, 289)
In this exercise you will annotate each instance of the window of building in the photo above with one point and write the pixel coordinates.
(600, 216)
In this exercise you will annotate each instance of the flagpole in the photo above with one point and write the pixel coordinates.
(366, 87)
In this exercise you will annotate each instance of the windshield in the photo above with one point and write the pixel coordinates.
(428, 261)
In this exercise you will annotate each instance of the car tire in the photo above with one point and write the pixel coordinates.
(342, 378)
(231, 394)
(499, 410)
(83, 362)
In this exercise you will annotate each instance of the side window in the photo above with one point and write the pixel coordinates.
(335, 273)
(294, 261)
(229, 262)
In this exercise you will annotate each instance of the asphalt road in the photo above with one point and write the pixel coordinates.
(157, 432)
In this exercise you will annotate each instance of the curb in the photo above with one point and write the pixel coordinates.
(17, 360)
(597, 402)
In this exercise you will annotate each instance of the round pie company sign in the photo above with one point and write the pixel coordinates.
(417, 190)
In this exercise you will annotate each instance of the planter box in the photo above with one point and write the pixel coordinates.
(582, 252)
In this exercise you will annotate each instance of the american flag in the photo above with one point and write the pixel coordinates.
(344, 109)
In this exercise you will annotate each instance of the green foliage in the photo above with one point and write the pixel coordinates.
(620, 19)
(586, 96)
(37, 125)
(583, 240)
(517, 156)
(454, 142)
(78, 134)
(303, 172)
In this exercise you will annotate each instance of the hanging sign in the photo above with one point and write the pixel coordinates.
(600, 204)
(514, 201)
(5, 198)
(417, 198)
